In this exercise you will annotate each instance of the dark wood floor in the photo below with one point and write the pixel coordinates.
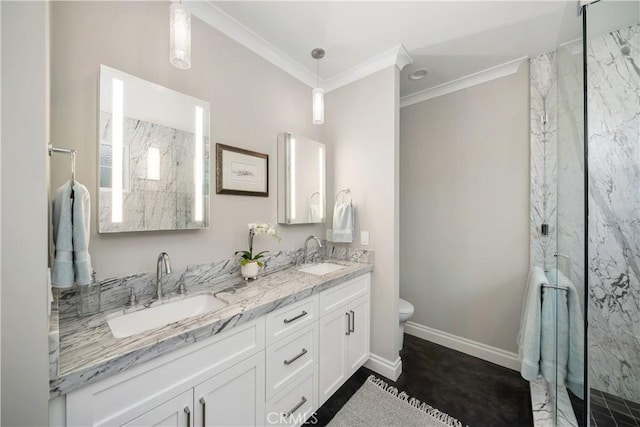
(476, 392)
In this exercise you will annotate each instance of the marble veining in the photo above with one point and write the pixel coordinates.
(88, 351)
(544, 401)
(151, 202)
(543, 122)
(542, 404)
(613, 84)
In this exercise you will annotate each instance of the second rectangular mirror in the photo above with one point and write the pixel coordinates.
(301, 180)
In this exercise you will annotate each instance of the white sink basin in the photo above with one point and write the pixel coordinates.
(321, 269)
(125, 325)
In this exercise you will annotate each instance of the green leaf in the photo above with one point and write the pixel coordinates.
(260, 254)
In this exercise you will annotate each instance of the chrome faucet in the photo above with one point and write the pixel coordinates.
(163, 260)
(306, 242)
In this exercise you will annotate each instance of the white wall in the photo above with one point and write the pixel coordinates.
(251, 102)
(464, 204)
(25, 385)
(362, 128)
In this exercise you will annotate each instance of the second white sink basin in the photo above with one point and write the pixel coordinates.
(321, 269)
(128, 324)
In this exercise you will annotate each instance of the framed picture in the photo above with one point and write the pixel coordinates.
(241, 172)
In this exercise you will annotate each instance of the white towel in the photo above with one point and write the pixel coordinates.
(71, 215)
(314, 212)
(560, 359)
(343, 222)
(575, 339)
(530, 325)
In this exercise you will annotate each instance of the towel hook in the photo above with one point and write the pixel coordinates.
(346, 191)
(53, 149)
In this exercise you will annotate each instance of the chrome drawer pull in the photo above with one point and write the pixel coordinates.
(353, 321)
(204, 411)
(294, 358)
(188, 412)
(295, 408)
(348, 324)
(304, 313)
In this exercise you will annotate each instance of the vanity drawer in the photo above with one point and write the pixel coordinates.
(291, 318)
(289, 357)
(294, 405)
(333, 298)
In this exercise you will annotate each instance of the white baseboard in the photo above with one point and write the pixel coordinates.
(384, 367)
(483, 351)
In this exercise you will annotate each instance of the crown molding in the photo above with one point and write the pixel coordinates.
(474, 79)
(226, 24)
(221, 21)
(397, 56)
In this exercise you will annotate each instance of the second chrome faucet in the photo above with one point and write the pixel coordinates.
(163, 263)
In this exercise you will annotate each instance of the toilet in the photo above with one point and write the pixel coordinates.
(405, 309)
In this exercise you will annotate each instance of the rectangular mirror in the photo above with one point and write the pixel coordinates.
(301, 180)
(153, 156)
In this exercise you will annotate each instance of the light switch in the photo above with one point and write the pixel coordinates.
(364, 238)
(329, 235)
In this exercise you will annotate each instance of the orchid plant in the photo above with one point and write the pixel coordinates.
(256, 228)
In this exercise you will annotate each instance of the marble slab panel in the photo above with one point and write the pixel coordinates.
(543, 123)
(613, 84)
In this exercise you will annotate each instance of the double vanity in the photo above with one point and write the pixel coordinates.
(267, 352)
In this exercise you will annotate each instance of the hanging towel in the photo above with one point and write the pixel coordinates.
(71, 212)
(81, 217)
(575, 340)
(343, 222)
(62, 275)
(530, 325)
(554, 334)
(551, 337)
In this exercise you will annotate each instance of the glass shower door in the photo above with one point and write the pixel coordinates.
(569, 257)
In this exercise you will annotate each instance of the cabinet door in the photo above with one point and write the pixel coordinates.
(333, 352)
(177, 412)
(358, 339)
(235, 397)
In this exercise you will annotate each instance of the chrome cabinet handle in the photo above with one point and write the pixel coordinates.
(204, 411)
(353, 321)
(304, 313)
(188, 412)
(295, 408)
(294, 358)
(348, 324)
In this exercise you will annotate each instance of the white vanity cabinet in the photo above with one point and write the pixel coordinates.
(176, 412)
(275, 370)
(234, 397)
(344, 333)
(229, 366)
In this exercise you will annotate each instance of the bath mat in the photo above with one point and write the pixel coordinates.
(378, 404)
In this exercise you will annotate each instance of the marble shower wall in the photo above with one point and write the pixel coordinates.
(544, 148)
(613, 88)
(162, 202)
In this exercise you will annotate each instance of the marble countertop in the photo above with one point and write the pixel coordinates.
(88, 351)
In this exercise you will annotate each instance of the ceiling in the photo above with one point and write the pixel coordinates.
(452, 38)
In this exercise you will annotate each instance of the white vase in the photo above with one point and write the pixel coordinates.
(249, 270)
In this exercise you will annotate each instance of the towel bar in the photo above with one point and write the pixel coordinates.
(53, 149)
(562, 288)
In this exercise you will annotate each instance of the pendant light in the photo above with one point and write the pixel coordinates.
(179, 36)
(317, 95)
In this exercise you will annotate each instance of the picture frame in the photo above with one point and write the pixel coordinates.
(241, 172)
